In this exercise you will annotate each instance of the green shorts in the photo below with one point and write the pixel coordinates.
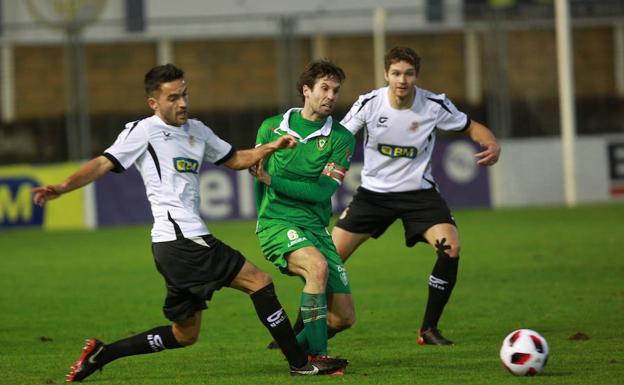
(279, 239)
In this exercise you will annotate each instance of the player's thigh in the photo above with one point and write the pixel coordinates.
(193, 270)
(250, 279)
(337, 280)
(368, 214)
(444, 235)
(424, 210)
(347, 242)
(278, 240)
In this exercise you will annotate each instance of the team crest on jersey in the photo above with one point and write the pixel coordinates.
(321, 142)
(414, 126)
(184, 165)
(397, 151)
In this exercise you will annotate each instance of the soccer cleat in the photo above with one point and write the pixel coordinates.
(319, 365)
(306, 370)
(339, 372)
(432, 336)
(329, 365)
(87, 363)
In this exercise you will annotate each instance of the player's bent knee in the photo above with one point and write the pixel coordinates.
(346, 322)
(342, 322)
(454, 251)
(186, 336)
(187, 340)
(321, 274)
(447, 249)
(317, 270)
(251, 279)
(262, 279)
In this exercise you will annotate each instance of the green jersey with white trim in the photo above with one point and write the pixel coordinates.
(303, 178)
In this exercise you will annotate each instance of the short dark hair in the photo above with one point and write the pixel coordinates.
(161, 74)
(406, 54)
(316, 70)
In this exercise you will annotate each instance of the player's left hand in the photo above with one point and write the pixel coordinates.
(489, 156)
(258, 171)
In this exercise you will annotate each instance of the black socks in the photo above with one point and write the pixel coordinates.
(441, 283)
(274, 318)
(150, 341)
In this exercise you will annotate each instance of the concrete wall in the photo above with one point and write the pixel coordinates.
(530, 172)
(237, 73)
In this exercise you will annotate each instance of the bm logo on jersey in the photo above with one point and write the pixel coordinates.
(397, 151)
(186, 165)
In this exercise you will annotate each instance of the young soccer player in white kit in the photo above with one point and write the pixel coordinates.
(400, 122)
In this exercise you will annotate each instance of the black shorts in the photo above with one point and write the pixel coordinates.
(193, 272)
(372, 213)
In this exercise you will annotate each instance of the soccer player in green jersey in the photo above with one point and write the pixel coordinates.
(294, 190)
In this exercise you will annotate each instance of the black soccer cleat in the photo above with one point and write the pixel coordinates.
(306, 370)
(319, 365)
(432, 336)
(88, 361)
(329, 365)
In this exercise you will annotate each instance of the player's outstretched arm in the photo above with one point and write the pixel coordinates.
(89, 172)
(243, 159)
(486, 139)
(309, 191)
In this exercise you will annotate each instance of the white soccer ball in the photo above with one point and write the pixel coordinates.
(524, 352)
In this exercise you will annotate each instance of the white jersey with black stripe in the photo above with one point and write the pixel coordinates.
(169, 158)
(398, 144)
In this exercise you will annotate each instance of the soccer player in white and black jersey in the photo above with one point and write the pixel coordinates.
(400, 121)
(168, 149)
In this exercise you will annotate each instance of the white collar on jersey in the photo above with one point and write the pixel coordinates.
(323, 131)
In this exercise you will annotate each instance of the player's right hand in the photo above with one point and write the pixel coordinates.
(490, 154)
(286, 141)
(43, 194)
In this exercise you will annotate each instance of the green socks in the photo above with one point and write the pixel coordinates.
(313, 337)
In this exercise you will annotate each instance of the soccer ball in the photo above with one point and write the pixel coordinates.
(524, 352)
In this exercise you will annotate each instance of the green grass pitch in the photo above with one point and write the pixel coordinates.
(558, 271)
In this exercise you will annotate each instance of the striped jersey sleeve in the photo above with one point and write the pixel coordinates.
(355, 119)
(131, 143)
(449, 118)
(217, 150)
